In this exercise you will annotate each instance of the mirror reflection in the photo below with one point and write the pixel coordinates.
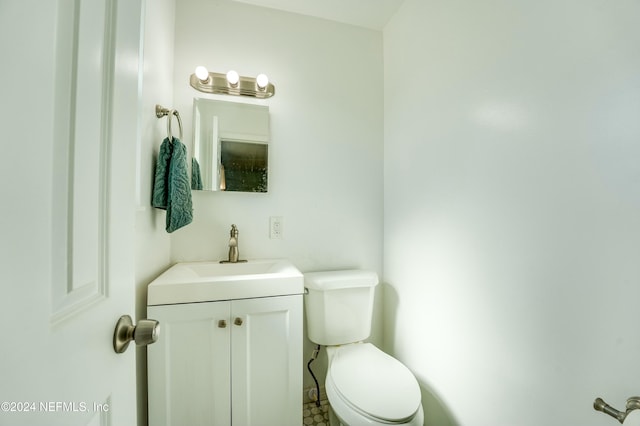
(230, 146)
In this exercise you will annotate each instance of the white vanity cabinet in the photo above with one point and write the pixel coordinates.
(230, 345)
(235, 362)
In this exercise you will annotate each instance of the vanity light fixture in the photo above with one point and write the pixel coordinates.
(231, 83)
(203, 74)
(262, 81)
(233, 78)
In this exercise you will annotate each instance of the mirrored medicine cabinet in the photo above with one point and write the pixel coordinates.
(230, 146)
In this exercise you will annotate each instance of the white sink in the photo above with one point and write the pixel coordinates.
(194, 282)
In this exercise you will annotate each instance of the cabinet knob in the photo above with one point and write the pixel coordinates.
(222, 324)
(238, 321)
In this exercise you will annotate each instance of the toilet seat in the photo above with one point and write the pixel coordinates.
(374, 384)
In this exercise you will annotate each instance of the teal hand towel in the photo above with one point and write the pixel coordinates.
(179, 204)
(196, 177)
(161, 181)
(172, 190)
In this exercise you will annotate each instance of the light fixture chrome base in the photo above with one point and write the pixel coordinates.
(218, 84)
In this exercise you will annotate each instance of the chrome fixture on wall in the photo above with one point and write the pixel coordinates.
(169, 113)
(633, 403)
(231, 84)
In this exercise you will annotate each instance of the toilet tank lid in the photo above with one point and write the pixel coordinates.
(333, 280)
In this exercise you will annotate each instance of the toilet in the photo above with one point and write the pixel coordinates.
(364, 385)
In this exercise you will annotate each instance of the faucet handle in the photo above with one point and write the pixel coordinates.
(234, 256)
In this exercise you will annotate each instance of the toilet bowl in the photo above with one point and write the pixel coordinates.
(364, 385)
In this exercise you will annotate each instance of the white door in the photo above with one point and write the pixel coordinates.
(68, 111)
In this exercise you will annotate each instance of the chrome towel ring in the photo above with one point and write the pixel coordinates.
(163, 112)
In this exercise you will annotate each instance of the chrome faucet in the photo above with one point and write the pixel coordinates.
(234, 254)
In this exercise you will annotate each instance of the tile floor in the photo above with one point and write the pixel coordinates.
(315, 416)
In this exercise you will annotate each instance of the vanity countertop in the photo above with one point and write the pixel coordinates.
(193, 282)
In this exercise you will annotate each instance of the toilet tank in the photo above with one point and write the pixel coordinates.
(339, 305)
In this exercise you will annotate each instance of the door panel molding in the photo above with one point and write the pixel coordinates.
(101, 415)
(83, 101)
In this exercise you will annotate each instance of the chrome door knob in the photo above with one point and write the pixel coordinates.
(144, 333)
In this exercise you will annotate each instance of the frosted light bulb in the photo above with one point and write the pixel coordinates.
(262, 81)
(233, 78)
(202, 73)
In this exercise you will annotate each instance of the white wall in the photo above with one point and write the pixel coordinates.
(152, 242)
(326, 137)
(512, 207)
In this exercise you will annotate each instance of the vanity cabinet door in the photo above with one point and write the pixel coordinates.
(189, 376)
(218, 361)
(266, 364)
